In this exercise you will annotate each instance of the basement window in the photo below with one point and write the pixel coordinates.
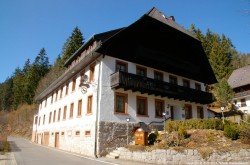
(87, 133)
(77, 133)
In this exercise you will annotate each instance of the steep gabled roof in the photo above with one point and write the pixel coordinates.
(240, 77)
(170, 21)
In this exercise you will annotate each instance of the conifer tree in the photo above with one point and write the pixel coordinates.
(73, 43)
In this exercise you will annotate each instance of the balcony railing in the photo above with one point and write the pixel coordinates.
(133, 82)
(242, 94)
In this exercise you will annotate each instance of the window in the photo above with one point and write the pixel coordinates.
(159, 108)
(67, 89)
(64, 112)
(73, 84)
(121, 66)
(142, 106)
(198, 86)
(188, 111)
(158, 75)
(43, 119)
(50, 114)
(79, 112)
(200, 112)
(56, 95)
(59, 115)
(62, 133)
(243, 102)
(71, 110)
(45, 101)
(52, 98)
(77, 133)
(141, 71)
(121, 101)
(87, 133)
(54, 117)
(36, 120)
(91, 72)
(81, 75)
(173, 80)
(89, 107)
(39, 121)
(186, 83)
(61, 92)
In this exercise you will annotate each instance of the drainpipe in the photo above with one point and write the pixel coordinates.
(97, 110)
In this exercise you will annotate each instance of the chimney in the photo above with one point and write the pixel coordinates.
(172, 18)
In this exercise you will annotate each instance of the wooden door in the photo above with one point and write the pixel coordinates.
(46, 138)
(57, 139)
(188, 111)
(172, 112)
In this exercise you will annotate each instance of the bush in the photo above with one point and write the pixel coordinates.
(182, 133)
(245, 133)
(231, 131)
(195, 124)
(152, 138)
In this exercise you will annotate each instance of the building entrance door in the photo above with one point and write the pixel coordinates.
(188, 111)
(57, 139)
(172, 112)
(46, 138)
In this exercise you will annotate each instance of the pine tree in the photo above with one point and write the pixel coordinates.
(7, 95)
(18, 87)
(223, 92)
(73, 43)
(36, 71)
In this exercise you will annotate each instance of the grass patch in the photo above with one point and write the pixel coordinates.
(4, 147)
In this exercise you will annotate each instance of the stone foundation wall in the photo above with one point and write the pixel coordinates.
(113, 135)
(189, 156)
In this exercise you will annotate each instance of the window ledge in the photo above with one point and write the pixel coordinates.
(120, 113)
(137, 115)
(88, 114)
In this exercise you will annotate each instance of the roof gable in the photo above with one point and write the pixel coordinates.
(240, 77)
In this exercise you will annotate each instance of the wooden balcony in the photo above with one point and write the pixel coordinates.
(133, 82)
(242, 94)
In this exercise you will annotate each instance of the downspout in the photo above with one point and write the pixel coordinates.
(97, 110)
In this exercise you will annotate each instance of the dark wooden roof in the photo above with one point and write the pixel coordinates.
(162, 45)
(240, 77)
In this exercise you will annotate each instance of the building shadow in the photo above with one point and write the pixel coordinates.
(14, 147)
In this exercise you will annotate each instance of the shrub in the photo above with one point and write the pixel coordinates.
(195, 124)
(152, 138)
(245, 133)
(182, 132)
(231, 131)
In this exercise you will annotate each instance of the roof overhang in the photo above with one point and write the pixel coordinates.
(153, 43)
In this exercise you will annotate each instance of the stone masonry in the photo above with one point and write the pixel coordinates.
(113, 135)
(186, 157)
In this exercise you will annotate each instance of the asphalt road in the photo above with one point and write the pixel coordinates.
(27, 153)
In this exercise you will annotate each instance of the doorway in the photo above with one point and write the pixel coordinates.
(57, 139)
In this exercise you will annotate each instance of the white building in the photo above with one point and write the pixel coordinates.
(137, 72)
(240, 82)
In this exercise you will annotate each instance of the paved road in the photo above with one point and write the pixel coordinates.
(27, 153)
